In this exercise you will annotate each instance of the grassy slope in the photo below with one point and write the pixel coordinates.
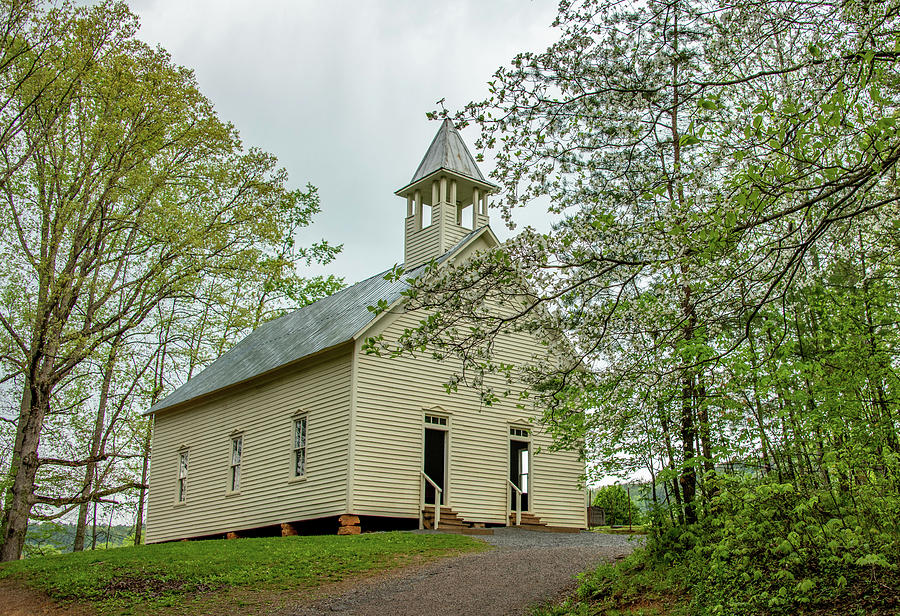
(151, 576)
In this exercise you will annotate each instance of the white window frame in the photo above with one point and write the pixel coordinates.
(300, 448)
(184, 461)
(234, 468)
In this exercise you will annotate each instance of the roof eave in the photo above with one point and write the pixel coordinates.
(491, 188)
(161, 406)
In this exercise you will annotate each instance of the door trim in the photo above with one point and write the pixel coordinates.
(521, 439)
(445, 428)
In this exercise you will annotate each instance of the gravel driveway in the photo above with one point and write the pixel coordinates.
(526, 568)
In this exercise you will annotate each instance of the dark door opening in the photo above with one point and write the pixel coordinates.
(435, 457)
(519, 467)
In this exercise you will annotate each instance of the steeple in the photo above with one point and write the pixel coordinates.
(449, 185)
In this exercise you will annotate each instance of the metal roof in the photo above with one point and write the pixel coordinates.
(448, 151)
(313, 328)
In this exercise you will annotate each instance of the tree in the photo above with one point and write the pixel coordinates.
(617, 505)
(705, 159)
(131, 194)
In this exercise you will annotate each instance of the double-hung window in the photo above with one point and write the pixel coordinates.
(237, 446)
(182, 475)
(299, 453)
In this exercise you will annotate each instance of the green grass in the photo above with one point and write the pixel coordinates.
(154, 576)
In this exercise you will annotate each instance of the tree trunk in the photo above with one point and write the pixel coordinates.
(139, 524)
(90, 469)
(22, 472)
(81, 523)
(670, 451)
(688, 478)
(94, 528)
(705, 434)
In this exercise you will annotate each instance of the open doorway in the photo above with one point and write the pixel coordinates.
(435, 465)
(519, 468)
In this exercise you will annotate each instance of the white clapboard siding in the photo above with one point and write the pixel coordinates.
(392, 397)
(263, 413)
(451, 232)
(422, 245)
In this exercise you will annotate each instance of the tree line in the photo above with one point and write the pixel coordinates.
(140, 239)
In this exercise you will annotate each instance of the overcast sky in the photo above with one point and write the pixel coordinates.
(338, 91)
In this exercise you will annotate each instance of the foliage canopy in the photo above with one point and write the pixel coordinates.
(723, 274)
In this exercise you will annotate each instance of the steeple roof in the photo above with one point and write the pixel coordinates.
(448, 151)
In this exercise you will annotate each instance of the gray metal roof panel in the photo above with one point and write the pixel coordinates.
(321, 325)
(448, 151)
(313, 328)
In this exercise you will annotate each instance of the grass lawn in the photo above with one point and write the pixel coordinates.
(183, 575)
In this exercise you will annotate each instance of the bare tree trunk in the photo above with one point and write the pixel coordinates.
(23, 470)
(670, 451)
(94, 528)
(703, 418)
(90, 469)
(139, 524)
(688, 478)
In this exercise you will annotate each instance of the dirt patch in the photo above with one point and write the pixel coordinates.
(17, 599)
(151, 587)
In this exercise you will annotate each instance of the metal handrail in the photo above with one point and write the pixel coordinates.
(518, 503)
(437, 502)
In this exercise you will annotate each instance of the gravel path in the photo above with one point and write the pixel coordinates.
(526, 569)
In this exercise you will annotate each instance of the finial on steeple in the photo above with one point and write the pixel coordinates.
(449, 183)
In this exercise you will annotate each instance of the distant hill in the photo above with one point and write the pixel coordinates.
(53, 538)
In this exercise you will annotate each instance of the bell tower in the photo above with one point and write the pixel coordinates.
(446, 200)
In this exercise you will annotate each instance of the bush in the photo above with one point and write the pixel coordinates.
(618, 507)
(765, 547)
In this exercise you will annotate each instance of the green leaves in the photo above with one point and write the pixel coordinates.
(134, 216)
(873, 560)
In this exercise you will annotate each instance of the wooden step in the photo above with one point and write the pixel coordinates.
(528, 521)
(532, 522)
(527, 518)
(449, 519)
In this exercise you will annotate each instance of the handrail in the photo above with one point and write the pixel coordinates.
(437, 502)
(518, 503)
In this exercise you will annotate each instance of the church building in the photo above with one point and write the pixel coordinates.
(297, 430)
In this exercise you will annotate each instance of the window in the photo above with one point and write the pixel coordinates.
(518, 432)
(299, 446)
(182, 475)
(237, 446)
(435, 420)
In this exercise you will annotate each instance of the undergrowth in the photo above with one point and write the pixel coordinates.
(760, 548)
